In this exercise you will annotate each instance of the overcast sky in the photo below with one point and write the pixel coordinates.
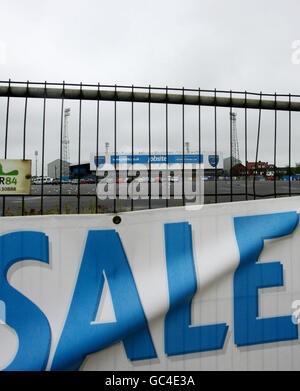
(232, 44)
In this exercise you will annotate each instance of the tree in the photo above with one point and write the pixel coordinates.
(290, 171)
(297, 169)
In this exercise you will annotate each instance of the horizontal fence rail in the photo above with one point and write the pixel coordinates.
(144, 97)
(236, 145)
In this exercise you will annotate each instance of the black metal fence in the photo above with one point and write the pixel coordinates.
(260, 149)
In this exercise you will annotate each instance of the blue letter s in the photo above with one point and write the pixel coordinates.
(22, 315)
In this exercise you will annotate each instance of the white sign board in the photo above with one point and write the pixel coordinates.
(15, 176)
(178, 289)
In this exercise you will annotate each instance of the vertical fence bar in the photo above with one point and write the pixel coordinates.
(167, 150)
(275, 147)
(7, 120)
(115, 148)
(216, 147)
(149, 142)
(231, 160)
(79, 149)
(257, 147)
(246, 146)
(199, 146)
(24, 140)
(61, 143)
(132, 137)
(43, 148)
(290, 146)
(6, 139)
(97, 142)
(183, 155)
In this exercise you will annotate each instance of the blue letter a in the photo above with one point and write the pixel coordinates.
(103, 251)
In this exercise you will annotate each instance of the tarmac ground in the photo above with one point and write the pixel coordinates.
(88, 202)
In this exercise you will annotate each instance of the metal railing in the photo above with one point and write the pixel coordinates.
(156, 119)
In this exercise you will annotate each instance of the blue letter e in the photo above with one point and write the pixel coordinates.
(250, 276)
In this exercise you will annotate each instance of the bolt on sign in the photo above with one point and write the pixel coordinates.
(15, 176)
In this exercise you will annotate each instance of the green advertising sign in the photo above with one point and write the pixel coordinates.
(15, 176)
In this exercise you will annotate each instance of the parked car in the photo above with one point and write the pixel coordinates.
(107, 179)
(45, 180)
(173, 178)
(142, 179)
(129, 179)
(92, 180)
